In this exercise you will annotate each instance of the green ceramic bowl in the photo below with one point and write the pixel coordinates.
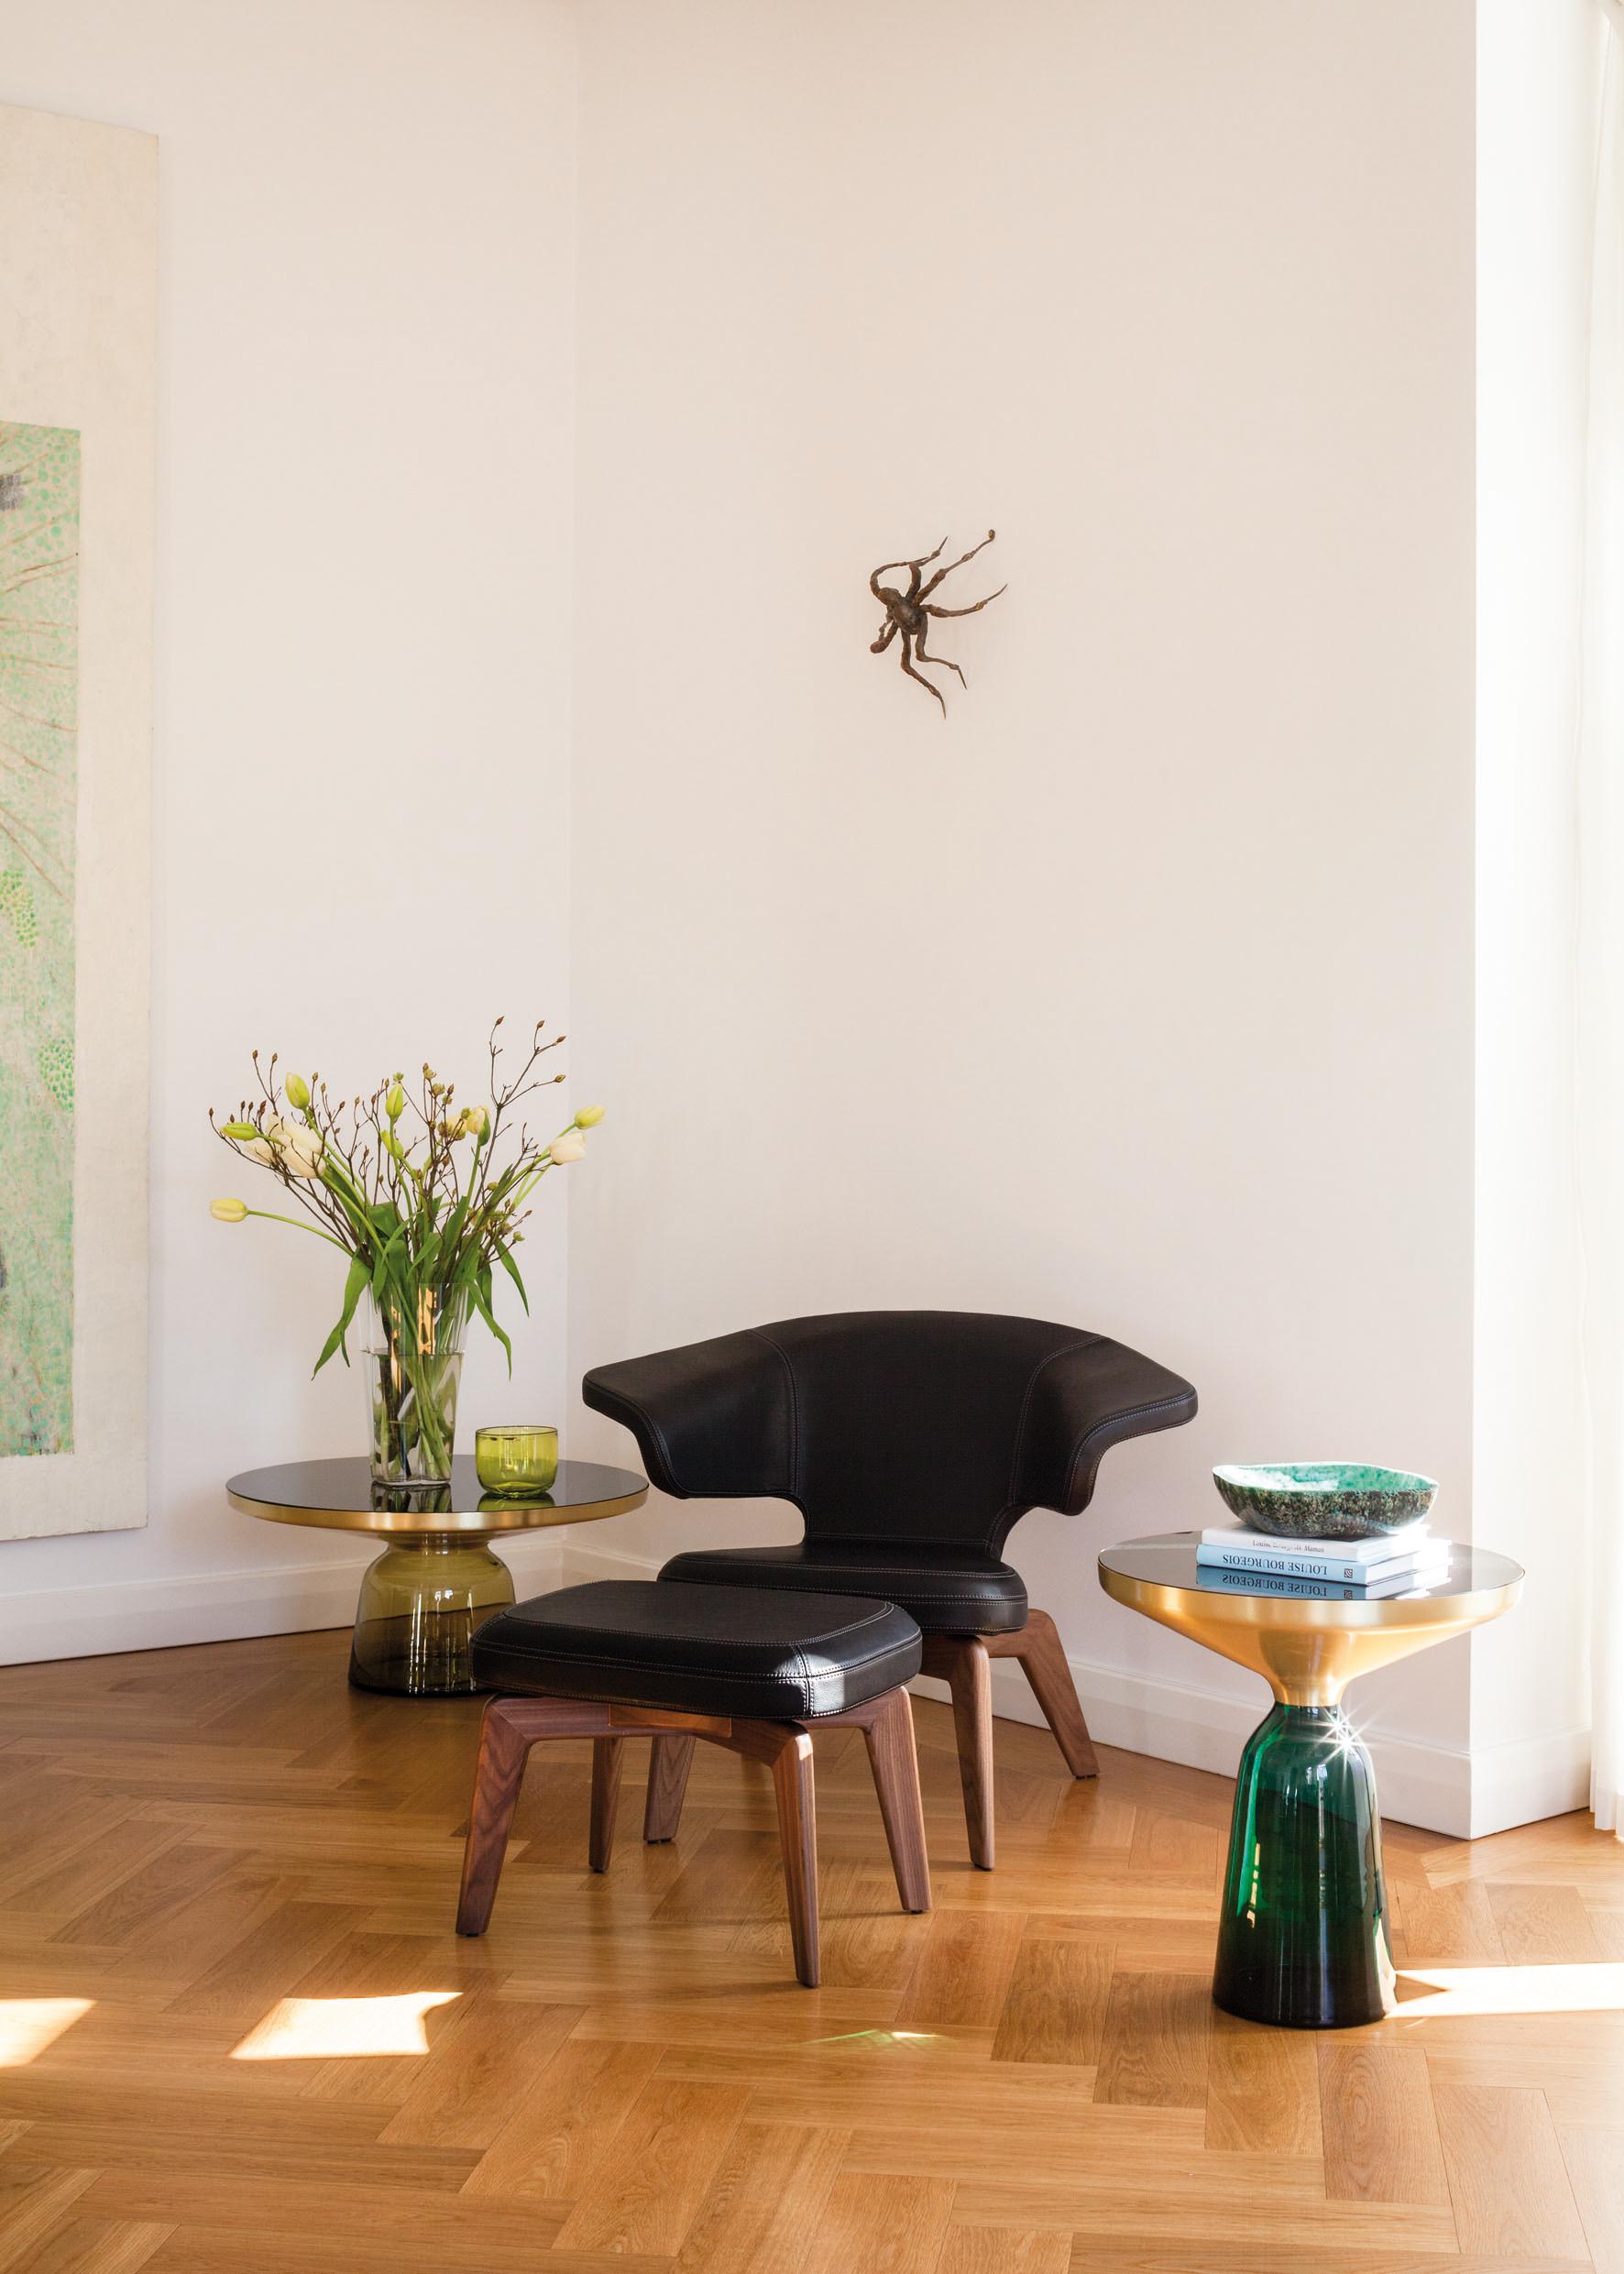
(1324, 1500)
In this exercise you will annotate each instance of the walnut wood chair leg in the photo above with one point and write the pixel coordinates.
(892, 1756)
(503, 1751)
(961, 1661)
(670, 1759)
(797, 1833)
(607, 1763)
(1042, 1659)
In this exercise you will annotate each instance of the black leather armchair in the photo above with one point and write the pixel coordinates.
(912, 1442)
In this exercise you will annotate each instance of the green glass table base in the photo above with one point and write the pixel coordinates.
(1302, 1938)
(420, 1604)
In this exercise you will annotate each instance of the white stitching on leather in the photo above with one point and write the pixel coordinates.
(498, 1649)
(1083, 1342)
(721, 1642)
(1115, 1421)
(761, 1334)
(788, 1586)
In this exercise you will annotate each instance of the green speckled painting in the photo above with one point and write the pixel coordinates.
(38, 781)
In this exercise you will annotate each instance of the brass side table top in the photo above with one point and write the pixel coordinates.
(340, 1496)
(1307, 1647)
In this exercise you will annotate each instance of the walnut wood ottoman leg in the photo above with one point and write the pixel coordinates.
(503, 1751)
(1039, 1650)
(607, 1763)
(797, 1833)
(670, 1759)
(889, 1737)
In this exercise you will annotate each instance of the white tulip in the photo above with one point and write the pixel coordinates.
(571, 1146)
(299, 1150)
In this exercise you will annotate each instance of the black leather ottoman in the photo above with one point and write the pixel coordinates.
(743, 1668)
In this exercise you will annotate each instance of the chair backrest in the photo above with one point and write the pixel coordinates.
(892, 1426)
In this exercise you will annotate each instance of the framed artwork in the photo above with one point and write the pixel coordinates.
(78, 257)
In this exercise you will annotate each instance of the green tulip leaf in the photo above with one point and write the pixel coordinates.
(504, 1256)
(354, 1286)
(482, 1297)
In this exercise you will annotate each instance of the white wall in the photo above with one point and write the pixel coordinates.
(1537, 76)
(363, 644)
(1139, 992)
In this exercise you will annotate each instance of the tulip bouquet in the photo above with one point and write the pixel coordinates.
(414, 1190)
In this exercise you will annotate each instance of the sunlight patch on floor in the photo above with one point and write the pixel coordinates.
(28, 2025)
(343, 2028)
(1442, 1992)
(884, 2038)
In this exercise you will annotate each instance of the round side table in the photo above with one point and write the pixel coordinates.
(436, 1578)
(1302, 1938)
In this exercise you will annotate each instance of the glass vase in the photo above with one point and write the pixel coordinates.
(411, 1368)
(1302, 1938)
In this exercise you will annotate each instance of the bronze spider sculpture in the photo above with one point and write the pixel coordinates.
(909, 612)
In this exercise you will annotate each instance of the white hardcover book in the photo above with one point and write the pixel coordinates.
(1242, 1539)
(1431, 1557)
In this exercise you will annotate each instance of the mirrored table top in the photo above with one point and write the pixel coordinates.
(1307, 1640)
(1168, 1559)
(340, 1496)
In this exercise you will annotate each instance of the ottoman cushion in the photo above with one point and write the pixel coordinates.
(737, 1651)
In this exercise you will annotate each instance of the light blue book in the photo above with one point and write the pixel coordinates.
(1355, 1563)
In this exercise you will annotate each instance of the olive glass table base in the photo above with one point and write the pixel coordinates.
(1302, 1938)
(420, 1604)
(437, 1578)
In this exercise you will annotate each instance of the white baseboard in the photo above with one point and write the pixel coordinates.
(1200, 1729)
(1528, 1779)
(582, 1561)
(219, 1606)
(1441, 1788)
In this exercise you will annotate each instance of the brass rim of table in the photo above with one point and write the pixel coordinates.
(1193, 1610)
(1309, 1648)
(448, 1524)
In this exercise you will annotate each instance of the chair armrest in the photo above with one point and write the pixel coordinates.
(1081, 1402)
(714, 1419)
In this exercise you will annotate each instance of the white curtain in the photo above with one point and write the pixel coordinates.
(1601, 927)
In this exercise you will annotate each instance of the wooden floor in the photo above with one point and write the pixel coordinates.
(226, 1887)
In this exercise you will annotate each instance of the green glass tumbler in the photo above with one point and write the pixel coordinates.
(1302, 1940)
(419, 1605)
(517, 1461)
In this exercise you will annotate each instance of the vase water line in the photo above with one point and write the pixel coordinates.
(1302, 1938)
(411, 1368)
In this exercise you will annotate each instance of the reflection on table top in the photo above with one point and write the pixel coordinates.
(339, 1495)
(1165, 1565)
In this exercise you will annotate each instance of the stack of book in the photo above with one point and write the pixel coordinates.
(1395, 1563)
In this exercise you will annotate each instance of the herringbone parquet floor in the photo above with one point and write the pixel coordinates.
(226, 1885)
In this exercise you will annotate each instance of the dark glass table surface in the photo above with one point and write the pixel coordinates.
(340, 1495)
